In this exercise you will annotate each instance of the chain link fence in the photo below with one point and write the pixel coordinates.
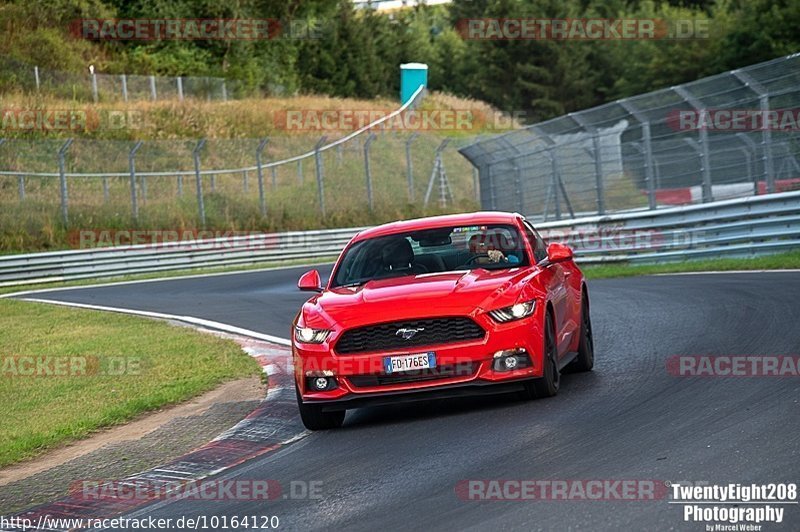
(293, 181)
(731, 135)
(92, 86)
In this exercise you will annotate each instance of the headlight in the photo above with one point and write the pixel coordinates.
(514, 312)
(307, 335)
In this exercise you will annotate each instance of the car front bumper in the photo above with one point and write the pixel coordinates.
(467, 368)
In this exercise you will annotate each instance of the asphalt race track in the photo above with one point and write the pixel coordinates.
(394, 468)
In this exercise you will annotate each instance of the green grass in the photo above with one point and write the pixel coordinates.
(163, 365)
(789, 260)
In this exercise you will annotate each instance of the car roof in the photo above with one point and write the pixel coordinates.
(431, 222)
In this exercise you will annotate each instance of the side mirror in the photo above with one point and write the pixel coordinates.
(310, 282)
(557, 252)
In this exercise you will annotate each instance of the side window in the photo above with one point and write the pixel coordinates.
(537, 243)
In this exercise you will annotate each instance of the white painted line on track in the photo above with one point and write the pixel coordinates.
(720, 272)
(160, 315)
(159, 279)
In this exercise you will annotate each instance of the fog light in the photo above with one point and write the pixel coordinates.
(320, 383)
(511, 359)
(510, 362)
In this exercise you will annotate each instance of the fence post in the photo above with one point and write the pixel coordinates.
(300, 171)
(224, 92)
(367, 169)
(132, 169)
(245, 184)
(153, 94)
(94, 87)
(476, 185)
(766, 133)
(124, 80)
(179, 82)
(554, 183)
(36, 77)
(105, 190)
(62, 173)
(21, 186)
(180, 185)
(261, 200)
(598, 163)
(320, 174)
(410, 167)
(703, 150)
(518, 187)
(198, 179)
(648, 151)
(492, 195)
(438, 174)
(698, 149)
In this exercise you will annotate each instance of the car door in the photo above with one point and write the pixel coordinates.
(553, 278)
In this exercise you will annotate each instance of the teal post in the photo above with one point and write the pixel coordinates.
(412, 76)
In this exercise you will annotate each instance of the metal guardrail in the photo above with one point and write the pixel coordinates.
(740, 227)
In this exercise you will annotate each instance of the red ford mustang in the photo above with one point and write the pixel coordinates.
(440, 307)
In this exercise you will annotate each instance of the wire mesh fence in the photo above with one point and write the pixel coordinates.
(97, 87)
(730, 135)
(232, 183)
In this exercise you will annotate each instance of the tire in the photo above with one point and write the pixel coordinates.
(315, 419)
(585, 359)
(548, 384)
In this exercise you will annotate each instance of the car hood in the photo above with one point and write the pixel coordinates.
(426, 295)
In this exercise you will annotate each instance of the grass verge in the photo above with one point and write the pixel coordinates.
(779, 261)
(111, 367)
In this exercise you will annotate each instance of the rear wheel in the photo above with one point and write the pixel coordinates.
(585, 359)
(548, 384)
(315, 419)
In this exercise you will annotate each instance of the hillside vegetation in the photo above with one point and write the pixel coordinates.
(355, 53)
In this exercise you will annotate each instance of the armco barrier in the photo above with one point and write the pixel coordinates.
(739, 227)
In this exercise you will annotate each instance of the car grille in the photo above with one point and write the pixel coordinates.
(442, 372)
(384, 337)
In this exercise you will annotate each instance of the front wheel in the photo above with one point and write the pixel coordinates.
(585, 359)
(547, 385)
(315, 419)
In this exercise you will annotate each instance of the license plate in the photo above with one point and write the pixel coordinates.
(409, 362)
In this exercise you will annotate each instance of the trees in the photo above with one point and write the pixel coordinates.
(357, 52)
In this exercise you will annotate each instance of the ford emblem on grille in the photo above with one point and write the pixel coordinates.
(408, 334)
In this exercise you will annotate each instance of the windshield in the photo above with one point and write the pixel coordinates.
(431, 251)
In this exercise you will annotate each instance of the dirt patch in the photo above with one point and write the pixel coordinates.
(239, 392)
